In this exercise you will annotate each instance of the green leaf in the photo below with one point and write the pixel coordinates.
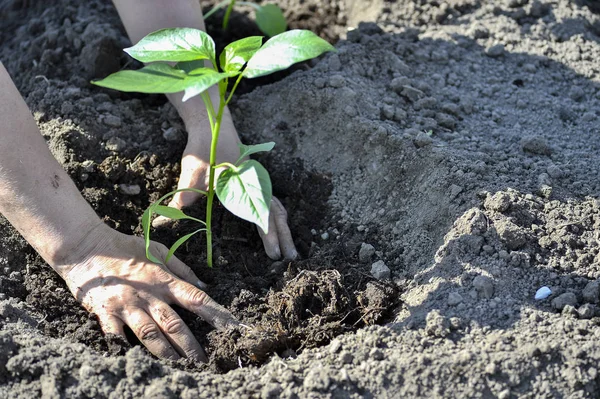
(169, 212)
(246, 192)
(285, 49)
(174, 44)
(247, 150)
(201, 79)
(180, 242)
(270, 20)
(146, 227)
(189, 66)
(154, 78)
(235, 55)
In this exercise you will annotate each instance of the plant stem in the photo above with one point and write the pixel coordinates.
(211, 177)
(227, 14)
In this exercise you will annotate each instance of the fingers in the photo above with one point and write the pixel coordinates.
(177, 332)
(286, 243)
(112, 325)
(271, 240)
(279, 239)
(149, 334)
(197, 301)
(183, 271)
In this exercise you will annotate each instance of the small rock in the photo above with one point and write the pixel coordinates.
(484, 286)
(422, 140)
(116, 144)
(542, 293)
(171, 134)
(536, 145)
(366, 252)
(454, 298)
(591, 292)
(411, 93)
(130, 189)
(495, 51)
(380, 271)
(112, 121)
(568, 298)
(499, 202)
(397, 84)
(586, 311)
(337, 81)
(576, 93)
(445, 120)
(436, 324)
(346, 357)
(335, 346)
(376, 354)
(325, 236)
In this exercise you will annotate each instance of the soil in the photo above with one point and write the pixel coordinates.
(455, 143)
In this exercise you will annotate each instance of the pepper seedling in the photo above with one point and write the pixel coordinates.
(269, 18)
(244, 187)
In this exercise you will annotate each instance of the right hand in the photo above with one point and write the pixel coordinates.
(115, 281)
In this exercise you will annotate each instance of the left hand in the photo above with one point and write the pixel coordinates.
(195, 164)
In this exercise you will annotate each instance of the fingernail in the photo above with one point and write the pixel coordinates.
(201, 285)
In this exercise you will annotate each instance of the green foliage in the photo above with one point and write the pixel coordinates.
(270, 20)
(247, 150)
(244, 189)
(235, 55)
(174, 44)
(283, 50)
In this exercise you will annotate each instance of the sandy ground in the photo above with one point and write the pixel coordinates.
(461, 140)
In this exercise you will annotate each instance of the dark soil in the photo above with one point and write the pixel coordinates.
(287, 306)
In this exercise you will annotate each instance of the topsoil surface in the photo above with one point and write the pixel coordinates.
(452, 146)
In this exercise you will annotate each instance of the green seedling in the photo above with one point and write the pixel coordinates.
(244, 187)
(269, 18)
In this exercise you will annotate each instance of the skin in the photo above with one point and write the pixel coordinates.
(107, 271)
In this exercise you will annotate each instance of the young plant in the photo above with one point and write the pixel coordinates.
(269, 18)
(244, 187)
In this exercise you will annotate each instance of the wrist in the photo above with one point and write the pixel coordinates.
(93, 236)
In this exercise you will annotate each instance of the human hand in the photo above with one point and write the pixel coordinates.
(112, 278)
(195, 172)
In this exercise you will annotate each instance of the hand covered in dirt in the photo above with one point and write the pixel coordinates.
(195, 173)
(115, 281)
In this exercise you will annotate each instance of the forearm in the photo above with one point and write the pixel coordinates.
(141, 17)
(36, 195)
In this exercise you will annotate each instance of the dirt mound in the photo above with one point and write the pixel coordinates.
(451, 149)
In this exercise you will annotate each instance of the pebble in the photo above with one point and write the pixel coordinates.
(397, 84)
(568, 298)
(454, 298)
(591, 292)
(543, 293)
(130, 189)
(171, 134)
(325, 236)
(112, 121)
(376, 354)
(116, 144)
(422, 140)
(586, 311)
(499, 202)
(576, 93)
(366, 252)
(484, 285)
(445, 120)
(346, 357)
(536, 145)
(436, 324)
(495, 51)
(411, 93)
(337, 81)
(380, 271)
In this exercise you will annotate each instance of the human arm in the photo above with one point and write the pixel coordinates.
(105, 270)
(141, 17)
